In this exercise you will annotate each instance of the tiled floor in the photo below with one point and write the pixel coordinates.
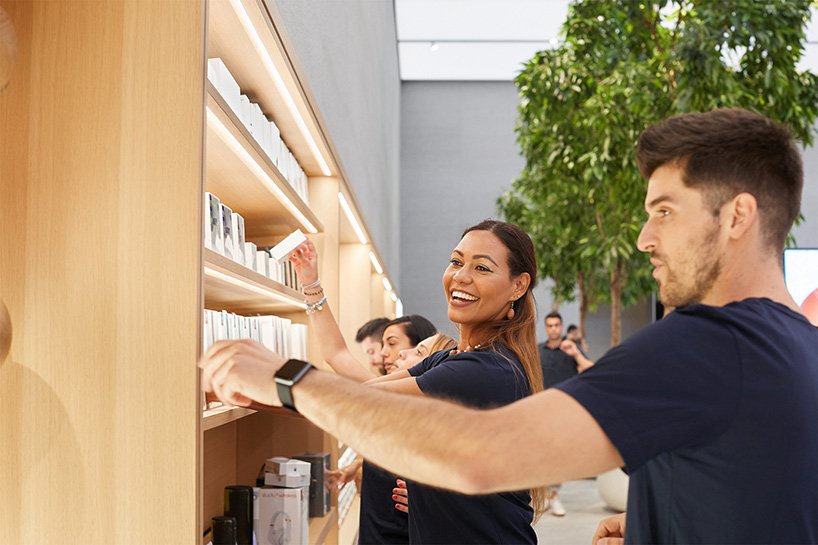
(585, 509)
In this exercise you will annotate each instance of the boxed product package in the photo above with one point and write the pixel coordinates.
(281, 516)
(319, 495)
(286, 472)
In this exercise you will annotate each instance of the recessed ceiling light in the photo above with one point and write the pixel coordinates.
(435, 46)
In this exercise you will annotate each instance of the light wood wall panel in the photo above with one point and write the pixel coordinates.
(354, 307)
(100, 184)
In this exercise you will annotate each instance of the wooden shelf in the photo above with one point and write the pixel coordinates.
(213, 418)
(242, 176)
(230, 286)
(268, 77)
(321, 526)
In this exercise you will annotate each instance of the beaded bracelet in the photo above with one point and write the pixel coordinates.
(313, 285)
(314, 293)
(317, 306)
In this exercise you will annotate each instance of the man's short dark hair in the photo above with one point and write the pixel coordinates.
(373, 328)
(571, 328)
(553, 314)
(730, 151)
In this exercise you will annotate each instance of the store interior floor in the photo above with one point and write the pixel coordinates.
(585, 509)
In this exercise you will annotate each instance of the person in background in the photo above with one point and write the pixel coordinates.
(560, 360)
(380, 521)
(572, 333)
(370, 337)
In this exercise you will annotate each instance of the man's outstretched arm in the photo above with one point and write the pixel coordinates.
(542, 439)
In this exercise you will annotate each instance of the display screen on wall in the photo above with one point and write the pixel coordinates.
(801, 276)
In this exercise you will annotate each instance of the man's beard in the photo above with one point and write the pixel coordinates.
(677, 293)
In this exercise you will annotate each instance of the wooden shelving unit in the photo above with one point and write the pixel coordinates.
(213, 418)
(101, 210)
(239, 172)
(236, 288)
(245, 35)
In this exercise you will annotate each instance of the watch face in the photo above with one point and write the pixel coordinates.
(292, 371)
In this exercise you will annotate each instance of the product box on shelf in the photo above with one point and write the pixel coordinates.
(223, 80)
(207, 330)
(238, 238)
(262, 262)
(220, 328)
(227, 231)
(281, 251)
(250, 255)
(281, 516)
(319, 495)
(286, 472)
(214, 232)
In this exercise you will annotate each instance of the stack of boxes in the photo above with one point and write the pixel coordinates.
(281, 510)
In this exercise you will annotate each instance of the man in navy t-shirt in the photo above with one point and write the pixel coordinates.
(713, 410)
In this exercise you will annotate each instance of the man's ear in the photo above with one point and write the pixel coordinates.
(742, 213)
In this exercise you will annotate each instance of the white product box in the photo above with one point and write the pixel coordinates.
(238, 238)
(287, 472)
(275, 136)
(283, 249)
(255, 331)
(262, 262)
(214, 72)
(244, 322)
(207, 330)
(230, 91)
(230, 320)
(214, 232)
(286, 481)
(250, 255)
(235, 332)
(267, 332)
(245, 112)
(220, 329)
(257, 121)
(227, 231)
(281, 516)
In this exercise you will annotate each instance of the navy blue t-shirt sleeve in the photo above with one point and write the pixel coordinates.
(479, 379)
(675, 383)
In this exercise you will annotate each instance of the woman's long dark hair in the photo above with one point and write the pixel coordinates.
(415, 326)
(519, 333)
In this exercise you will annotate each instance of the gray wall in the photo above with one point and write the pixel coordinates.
(348, 53)
(458, 153)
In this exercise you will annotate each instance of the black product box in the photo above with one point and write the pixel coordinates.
(319, 495)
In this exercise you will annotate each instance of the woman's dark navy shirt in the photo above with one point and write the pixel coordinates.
(380, 522)
(480, 379)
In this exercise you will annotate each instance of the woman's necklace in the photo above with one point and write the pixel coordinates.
(468, 348)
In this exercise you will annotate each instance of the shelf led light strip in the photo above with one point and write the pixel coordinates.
(228, 138)
(251, 287)
(250, 29)
(386, 284)
(375, 263)
(351, 217)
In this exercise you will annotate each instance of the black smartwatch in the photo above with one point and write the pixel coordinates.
(287, 377)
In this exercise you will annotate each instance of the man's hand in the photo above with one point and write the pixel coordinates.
(401, 496)
(570, 348)
(611, 531)
(241, 372)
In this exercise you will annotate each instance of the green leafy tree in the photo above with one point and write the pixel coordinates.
(623, 66)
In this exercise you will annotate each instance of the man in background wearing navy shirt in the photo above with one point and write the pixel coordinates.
(713, 410)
